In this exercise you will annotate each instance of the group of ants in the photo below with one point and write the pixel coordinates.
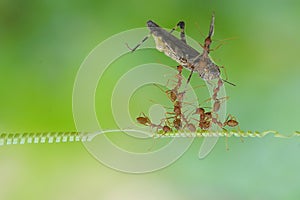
(180, 121)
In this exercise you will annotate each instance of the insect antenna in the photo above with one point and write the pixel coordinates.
(137, 46)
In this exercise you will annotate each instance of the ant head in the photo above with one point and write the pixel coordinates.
(191, 127)
(179, 68)
(172, 95)
(177, 104)
(208, 115)
(166, 129)
(177, 110)
(220, 82)
(177, 123)
(207, 42)
(200, 111)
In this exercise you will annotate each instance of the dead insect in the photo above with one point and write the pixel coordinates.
(182, 53)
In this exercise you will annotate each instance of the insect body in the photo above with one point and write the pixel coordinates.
(182, 53)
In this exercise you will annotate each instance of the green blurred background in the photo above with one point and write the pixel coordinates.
(43, 43)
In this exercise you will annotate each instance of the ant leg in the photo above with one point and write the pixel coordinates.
(241, 138)
(219, 100)
(227, 118)
(154, 141)
(222, 42)
(181, 25)
(142, 113)
(231, 117)
(217, 47)
(226, 141)
(137, 46)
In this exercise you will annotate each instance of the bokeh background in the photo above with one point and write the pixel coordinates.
(43, 43)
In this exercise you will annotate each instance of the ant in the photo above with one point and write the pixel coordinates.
(173, 94)
(205, 118)
(176, 98)
(144, 120)
(166, 129)
(217, 89)
(181, 52)
(231, 121)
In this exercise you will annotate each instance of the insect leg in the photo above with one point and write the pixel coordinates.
(226, 76)
(182, 34)
(181, 25)
(212, 25)
(190, 76)
(133, 49)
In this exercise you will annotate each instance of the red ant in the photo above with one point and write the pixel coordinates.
(173, 94)
(205, 118)
(217, 89)
(166, 129)
(231, 121)
(147, 122)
